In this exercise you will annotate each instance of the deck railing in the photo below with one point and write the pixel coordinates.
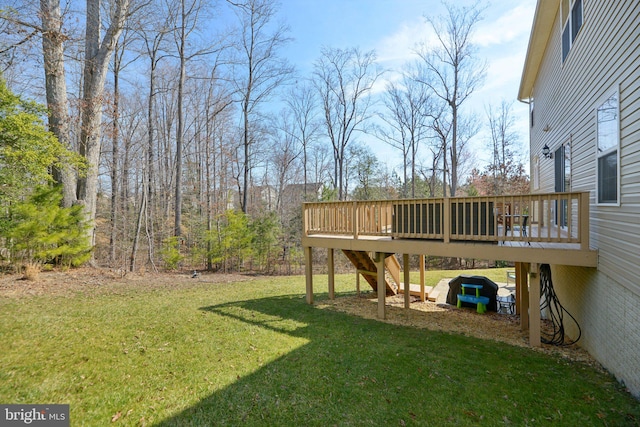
(549, 218)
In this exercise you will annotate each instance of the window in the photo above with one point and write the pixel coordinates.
(562, 160)
(571, 23)
(608, 150)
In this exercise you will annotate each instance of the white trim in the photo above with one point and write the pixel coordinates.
(536, 173)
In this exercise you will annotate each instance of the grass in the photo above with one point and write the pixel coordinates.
(253, 353)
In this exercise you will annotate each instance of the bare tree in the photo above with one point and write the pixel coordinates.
(119, 172)
(186, 23)
(452, 71)
(503, 142)
(98, 53)
(441, 126)
(285, 154)
(344, 79)
(56, 89)
(153, 28)
(258, 71)
(408, 106)
(302, 103)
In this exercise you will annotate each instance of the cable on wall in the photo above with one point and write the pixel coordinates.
(551, 303)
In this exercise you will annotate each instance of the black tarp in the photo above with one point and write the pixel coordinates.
(489, 289)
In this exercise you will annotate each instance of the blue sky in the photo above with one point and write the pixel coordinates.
(393, 27)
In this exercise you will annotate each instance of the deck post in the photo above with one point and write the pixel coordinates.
(357, 282)
(518, 294)
(446, 223)
(308, 267)
(534, 306)
(407, 280)
(584, 221)
(382, 288)
(522, 283)
(331, 272)
(423, 297)
(305, 220)
(355, 220)
(521, 270)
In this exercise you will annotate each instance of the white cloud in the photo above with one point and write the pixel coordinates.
(400, 46)
(511, 25)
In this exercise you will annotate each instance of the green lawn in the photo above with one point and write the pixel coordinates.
(254, 353)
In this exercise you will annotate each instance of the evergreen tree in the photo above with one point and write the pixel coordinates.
(39, 230)
(33, 226)
(27, 150)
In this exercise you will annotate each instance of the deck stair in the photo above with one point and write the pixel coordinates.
(433, 296)
(414, 290)
(367, 268)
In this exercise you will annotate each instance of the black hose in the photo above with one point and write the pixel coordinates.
(556, 311)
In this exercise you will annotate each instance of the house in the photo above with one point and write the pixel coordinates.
(582, 81)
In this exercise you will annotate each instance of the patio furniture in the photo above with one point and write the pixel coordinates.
(506, 304)
(481, 302)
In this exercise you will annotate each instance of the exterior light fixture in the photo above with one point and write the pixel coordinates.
(546, 152)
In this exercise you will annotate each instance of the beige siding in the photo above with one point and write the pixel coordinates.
(604, 58)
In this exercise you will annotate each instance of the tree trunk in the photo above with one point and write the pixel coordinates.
(136, 236)
(180, 129)
(150, 155)
(97, 56)
(115, 154)
(56, 90)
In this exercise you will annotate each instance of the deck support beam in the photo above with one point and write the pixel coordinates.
(423, 297)
(522, 294)
(407, 281)
(528, 300)
(534, 306)
(308, 267)
(382, 286)
(331, 272)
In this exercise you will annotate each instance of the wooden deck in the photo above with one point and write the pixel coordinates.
(490, 228)
(528, 230)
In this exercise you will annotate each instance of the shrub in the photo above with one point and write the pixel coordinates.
(31, 272)
(170, 253)
(38, 231)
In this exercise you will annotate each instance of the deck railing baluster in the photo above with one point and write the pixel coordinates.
(476, 218)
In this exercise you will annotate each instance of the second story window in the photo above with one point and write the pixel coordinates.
(608, 150)
(571, 22)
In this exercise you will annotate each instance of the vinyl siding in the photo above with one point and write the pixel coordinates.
(604, 58)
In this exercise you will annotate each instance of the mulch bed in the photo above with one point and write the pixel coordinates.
(447, 318)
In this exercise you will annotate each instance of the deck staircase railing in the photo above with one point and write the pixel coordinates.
(548, 218)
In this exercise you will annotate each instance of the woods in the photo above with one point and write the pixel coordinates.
(181, 136)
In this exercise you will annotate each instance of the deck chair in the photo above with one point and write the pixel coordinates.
(503, 215)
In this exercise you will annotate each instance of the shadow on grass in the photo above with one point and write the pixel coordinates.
(353, 371)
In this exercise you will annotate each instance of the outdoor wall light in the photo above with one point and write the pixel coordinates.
(546, 152)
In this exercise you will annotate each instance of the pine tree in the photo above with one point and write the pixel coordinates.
(41, 231)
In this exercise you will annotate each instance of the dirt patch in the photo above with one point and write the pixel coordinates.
(443, 317)
(104, 280)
